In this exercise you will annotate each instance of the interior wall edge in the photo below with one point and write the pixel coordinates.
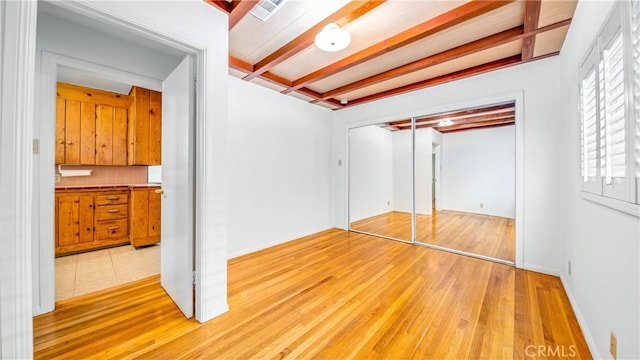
(581, 320)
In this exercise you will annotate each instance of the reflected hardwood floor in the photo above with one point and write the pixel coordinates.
(475, 233)
(332, 295)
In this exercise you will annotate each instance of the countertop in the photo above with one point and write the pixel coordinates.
(107, 186)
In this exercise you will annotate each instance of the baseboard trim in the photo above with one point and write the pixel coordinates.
(541, 269)
(581, 320)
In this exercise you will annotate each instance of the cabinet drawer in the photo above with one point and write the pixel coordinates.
(111, 212)
(112, 199)
(112, 229)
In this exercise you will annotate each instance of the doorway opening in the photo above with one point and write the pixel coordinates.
(103, 60)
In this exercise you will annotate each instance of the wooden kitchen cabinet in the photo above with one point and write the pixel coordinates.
(87, 220)
(91, 126)
(145, 127)
(145, 216)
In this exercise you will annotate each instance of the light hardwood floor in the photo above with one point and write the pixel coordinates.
(475, 233)
(333, 295)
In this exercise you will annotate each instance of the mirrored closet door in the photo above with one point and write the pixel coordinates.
(380, 181)
(445, 181)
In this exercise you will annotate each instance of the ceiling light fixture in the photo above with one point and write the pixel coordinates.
(445, 122)
(332, 38)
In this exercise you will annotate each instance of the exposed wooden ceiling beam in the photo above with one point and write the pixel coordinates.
(220, 4)
(238, 9)
(348, 13)
(512, 60)
(494, 65)
(244, 66)
(448, 55)
(488, 42)
(441, 22)
(531, 17)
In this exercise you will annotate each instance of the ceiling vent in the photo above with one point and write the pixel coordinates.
(266, 8)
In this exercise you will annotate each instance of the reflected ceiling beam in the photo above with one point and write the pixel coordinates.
(494, 65)
(471, 48)
(244, 66)
(458, 113)
(238, 10)
(220, 5)
(531, 17)
(466, 120)
(475, 126)
(441, 22)
(345, 15)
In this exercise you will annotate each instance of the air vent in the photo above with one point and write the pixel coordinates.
(266, 8)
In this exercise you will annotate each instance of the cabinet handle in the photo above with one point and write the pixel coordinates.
(114, 210)
(103, 145)
(113, 197)
(113, 228)
(60, 141)
(89, 229)
(69, 142)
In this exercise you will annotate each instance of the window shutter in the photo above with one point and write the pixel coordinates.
(612, 111)
(591, 180)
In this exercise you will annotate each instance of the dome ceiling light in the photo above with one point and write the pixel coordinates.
(332, 38)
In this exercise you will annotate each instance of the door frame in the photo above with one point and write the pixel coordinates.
(210, 267)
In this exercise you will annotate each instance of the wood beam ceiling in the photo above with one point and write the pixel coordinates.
(531, 18)
(441, 22)
(457, 75)
(475, 126)
(220, 4)
(348, 13)
(238, 10)
(488, 42)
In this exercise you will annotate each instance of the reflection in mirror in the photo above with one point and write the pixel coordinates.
(465, 181)
(380, 181)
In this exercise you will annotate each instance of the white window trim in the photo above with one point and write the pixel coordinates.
(623, 206)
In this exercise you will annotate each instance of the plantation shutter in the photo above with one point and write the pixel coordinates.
(612, 111)
(589, 123)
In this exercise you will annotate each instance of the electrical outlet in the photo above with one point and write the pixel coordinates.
(388, 202)
(58, 178)
(481, 205)
(569, 267)
(613, 346)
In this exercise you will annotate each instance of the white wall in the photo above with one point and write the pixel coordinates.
(538, 82)
(479, 167)
(279, 151)
(403, 171)
(602, 244)
(371, 164)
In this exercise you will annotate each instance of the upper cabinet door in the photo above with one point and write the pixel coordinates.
(145, 127)
(91, 126)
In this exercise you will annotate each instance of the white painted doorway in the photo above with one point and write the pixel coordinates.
(176, 253)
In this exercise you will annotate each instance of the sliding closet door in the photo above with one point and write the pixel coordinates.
(465, 181)
(380, 181)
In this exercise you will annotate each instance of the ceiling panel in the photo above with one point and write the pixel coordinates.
(479, 58)
(553, 11)
(252, 39)
(366, 31)
(491, 23)
(550, 41)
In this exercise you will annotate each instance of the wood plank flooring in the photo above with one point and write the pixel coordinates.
(475, 233)
(333, 295)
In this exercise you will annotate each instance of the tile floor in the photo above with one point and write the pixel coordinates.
(92, 271)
